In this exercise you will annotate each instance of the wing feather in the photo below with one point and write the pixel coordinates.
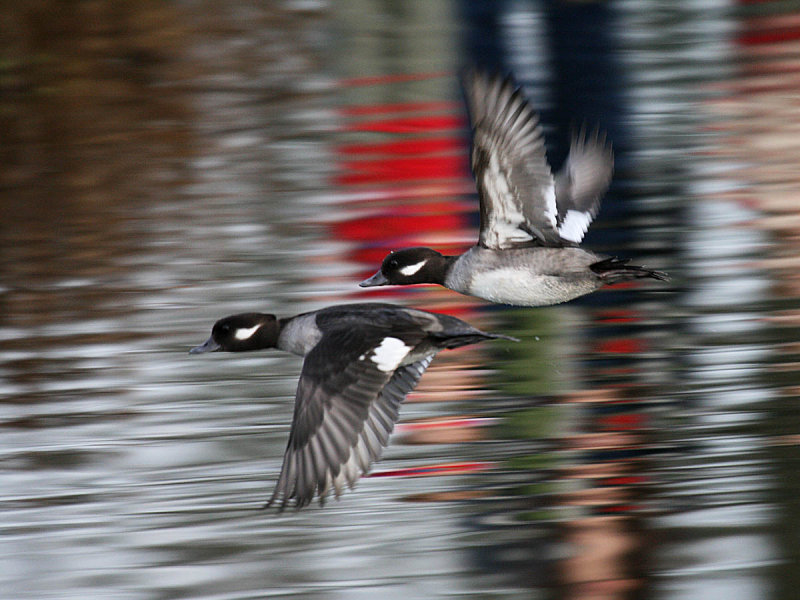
(522, 203)
(582, 182)
(516, 187)
(344, 415)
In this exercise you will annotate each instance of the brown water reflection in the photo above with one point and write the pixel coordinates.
(95, 132)
(163, 164)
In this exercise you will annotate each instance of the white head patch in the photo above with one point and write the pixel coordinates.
(409, 270)
(389, 354)
(243, 333)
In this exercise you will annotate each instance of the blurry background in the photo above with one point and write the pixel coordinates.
(163, 164)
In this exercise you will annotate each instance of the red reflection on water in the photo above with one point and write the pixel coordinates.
(628, 345)
(410, 190)
(399, 169)
(398, 107)
(389, 225)
(453, 468)
(623, 421)
(617, 316)
(407, 124)
(415, 147)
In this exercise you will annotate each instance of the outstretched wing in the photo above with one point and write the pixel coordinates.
(522, 204)
(347, 403)
(581, 183)
(516, 187)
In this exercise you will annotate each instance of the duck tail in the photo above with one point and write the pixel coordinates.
(613, 270)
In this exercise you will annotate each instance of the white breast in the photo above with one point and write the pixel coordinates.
(520, 287)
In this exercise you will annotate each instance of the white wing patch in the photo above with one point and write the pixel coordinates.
(574, 225)
(389, 354)
(551, 210)
(243, 333)
(409, 270)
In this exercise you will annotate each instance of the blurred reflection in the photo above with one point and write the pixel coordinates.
(724, 478)
(164, 164)
(86, 142)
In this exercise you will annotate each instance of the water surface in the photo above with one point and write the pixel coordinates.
(168, 164)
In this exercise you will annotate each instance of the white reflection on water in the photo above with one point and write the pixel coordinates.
(722, 480)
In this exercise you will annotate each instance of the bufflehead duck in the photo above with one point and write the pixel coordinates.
(360, 362)
(531, 220)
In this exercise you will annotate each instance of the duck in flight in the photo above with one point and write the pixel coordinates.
(360, 362)
(531, 220)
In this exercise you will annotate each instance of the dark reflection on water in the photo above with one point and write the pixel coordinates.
(165, 164)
